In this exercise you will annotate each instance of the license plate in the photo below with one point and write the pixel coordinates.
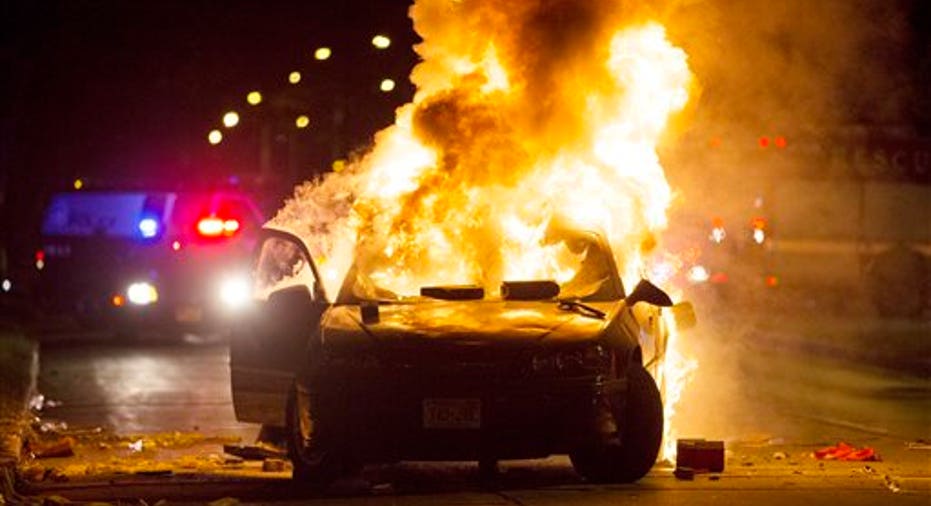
(189, 314)
(452, 413)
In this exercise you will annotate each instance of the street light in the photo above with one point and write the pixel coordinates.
(254, 98)
(386, 85)
(381, 41)
(215, 137)
(323, 53)
(230, 119)
(302, 121)
(294, 77)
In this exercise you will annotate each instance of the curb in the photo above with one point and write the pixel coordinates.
(11, 444)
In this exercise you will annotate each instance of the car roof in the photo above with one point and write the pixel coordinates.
(113, 212)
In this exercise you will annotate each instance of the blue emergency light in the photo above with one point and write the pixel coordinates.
(148, 227)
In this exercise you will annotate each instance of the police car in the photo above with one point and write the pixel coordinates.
(173, 261)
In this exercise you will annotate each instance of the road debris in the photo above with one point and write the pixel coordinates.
(36, 402)
(383, 489)
(700, 455)
(224, 501)
(136, 446)
(780, 456)
(892, 484)
(232, 460)
(33, 473)
(684, 473)
(52, 427)
(919, 444)
(273, 465)
(55, 500)
(845, 452)
(62, 447)
(258, 451)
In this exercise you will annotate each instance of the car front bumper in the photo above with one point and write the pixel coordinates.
(388, 417)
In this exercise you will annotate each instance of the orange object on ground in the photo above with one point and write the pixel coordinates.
(63, 447)
(845, 452)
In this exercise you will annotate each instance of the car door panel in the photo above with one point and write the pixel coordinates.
(274, 341)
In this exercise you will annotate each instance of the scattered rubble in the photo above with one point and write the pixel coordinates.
(136, 446)
(62, 447)
(36, 402)
(258, 451)
(892, 484)
(273, 465)
(52, 427)
(684, 473)
(919, 444)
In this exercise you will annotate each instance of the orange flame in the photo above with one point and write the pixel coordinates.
(524, 113)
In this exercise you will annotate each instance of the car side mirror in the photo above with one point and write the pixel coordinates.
(684, 315)
(649, 293)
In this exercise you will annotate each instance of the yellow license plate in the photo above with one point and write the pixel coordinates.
(452, 413)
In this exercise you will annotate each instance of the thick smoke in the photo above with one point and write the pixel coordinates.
(819, 73)
(797, 63)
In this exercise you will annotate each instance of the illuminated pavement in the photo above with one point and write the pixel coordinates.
(133, 388)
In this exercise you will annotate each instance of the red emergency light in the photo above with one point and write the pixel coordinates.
(213, 227)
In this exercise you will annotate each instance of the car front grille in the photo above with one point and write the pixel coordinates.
(456, 360)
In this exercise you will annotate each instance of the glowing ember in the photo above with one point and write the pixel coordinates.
(524, 112)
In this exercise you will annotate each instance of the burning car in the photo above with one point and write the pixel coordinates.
(531, 368)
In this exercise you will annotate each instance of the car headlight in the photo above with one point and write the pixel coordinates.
(235, 291)
(142, 293)
(571, 362)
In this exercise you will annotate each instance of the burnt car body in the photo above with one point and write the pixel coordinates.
(452, 374)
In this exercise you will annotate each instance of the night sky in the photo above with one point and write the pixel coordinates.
(120, 89)
(124, 93)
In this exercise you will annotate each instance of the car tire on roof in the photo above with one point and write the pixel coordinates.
(641, 423)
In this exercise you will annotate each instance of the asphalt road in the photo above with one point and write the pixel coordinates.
(137, 388)
(772, 401)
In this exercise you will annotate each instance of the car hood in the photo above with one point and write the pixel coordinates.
(465, 321)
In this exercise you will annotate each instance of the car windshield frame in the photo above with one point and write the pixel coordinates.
(597, 280)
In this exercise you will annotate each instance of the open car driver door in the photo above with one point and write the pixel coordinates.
(275, 339)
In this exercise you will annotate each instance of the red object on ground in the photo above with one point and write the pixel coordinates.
(845, 452)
